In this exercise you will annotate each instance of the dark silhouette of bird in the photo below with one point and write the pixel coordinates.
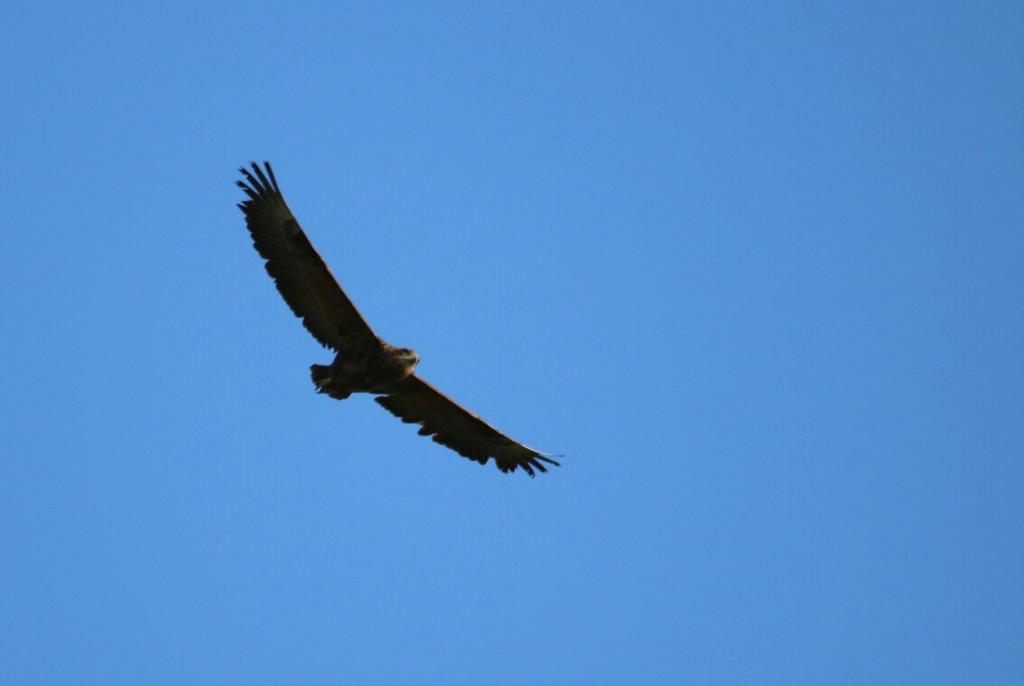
(363, 362)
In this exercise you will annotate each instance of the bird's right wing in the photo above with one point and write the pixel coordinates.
(301, 275)
(413, 400)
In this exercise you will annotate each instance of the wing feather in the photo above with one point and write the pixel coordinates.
(300, 274)
(415, 401)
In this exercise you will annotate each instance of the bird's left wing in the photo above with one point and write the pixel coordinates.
(301, 275)
(413, 400)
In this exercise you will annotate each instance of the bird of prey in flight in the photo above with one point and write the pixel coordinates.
(363, 363)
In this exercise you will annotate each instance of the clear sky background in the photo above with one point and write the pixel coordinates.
(755, 269)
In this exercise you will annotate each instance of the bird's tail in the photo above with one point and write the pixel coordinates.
(323, 379)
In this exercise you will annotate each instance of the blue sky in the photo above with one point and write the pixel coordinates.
(756, 270)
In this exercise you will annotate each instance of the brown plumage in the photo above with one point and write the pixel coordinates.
(364, 363)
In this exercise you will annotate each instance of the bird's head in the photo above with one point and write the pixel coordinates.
(408, 356)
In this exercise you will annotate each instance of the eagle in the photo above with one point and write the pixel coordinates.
(364, 363)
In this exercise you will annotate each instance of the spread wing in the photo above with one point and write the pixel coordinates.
(301, 275)
(413, 400)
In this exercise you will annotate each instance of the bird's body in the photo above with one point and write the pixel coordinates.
(375, 370)
(364, 363)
